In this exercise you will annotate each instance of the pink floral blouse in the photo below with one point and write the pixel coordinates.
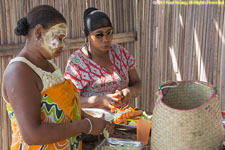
(92, 80)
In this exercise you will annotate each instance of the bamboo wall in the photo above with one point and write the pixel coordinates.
(180, 42)
(169, 42)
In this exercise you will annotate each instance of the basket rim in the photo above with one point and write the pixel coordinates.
(192, 109)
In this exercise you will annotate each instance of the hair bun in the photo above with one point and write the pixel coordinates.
(22, 27)
(89, 10)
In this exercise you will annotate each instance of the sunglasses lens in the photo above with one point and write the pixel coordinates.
(109, 33)
(99, 35)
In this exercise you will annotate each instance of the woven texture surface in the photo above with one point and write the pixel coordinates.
(187, 116)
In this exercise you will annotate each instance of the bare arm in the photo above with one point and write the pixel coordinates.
(88, 101)
(22, 92)
(134, 83)
(134, 87)
(102, 100)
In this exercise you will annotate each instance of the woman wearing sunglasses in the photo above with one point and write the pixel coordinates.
(104, 74)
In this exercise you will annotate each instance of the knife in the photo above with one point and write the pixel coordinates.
(120, 113)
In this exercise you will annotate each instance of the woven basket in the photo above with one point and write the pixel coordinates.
(187, 116)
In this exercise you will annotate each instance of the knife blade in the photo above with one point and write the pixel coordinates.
(120, 113)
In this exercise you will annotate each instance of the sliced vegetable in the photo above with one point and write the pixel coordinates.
(128, 115)
(106, 133)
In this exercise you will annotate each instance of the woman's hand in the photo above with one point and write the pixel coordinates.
(98, 125)
(125, 96)
(108, 100)
(110, 127)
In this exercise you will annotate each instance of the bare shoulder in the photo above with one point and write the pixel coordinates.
(18, 72)
(18, 77)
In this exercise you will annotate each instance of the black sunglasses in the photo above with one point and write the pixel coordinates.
(107, 34)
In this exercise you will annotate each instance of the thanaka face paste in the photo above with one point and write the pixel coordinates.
(53, 38)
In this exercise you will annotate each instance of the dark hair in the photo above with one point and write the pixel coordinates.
(94, 19)
(43, 14)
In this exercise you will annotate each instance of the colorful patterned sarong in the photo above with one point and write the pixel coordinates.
(60, 104)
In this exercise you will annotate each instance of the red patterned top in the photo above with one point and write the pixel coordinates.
(92, 80)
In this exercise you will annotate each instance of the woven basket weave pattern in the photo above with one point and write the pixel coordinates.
(195, 124)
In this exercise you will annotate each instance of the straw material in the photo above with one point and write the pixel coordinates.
(187, 116)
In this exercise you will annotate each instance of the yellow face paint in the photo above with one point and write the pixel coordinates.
(53, 38)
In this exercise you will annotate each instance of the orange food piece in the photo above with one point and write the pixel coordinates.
(128, 115)
(120, 94)
(119, 97)
(113, 109)
(119, 103)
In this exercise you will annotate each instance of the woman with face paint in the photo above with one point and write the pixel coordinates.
(43, 107)
(103, 73)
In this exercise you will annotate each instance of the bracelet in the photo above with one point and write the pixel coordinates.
(90, 125)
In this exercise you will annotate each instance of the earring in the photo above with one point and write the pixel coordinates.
(37, 39)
